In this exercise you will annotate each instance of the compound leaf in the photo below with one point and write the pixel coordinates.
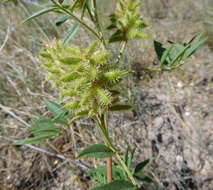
(57, 110)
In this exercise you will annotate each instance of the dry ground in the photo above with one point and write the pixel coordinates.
(172, 117)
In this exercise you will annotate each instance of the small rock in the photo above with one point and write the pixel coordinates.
(187, 113)
(179, 161)
(158, 122)
(180, 84)
(161, 97)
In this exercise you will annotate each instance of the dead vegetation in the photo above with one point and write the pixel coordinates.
(172, 117)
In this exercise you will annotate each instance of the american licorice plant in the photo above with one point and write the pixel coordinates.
(88, 79)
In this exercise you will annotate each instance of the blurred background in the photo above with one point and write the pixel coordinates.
(172, 118)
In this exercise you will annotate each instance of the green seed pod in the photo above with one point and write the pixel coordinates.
(85, 75)
(126, 21)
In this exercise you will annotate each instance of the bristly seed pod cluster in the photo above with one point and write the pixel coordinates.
(85, 75)
(126, 21)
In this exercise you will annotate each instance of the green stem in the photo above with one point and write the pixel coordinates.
(103, 132)
(154, 70)
(90, 14)
(100, 123)
(97, 23)
(121, 52)
(78, 20)
(125, 168)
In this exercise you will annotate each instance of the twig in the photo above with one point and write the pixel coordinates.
(59, 156)
(6, 37)
(13, 85)
(73, 139)
(7, 110)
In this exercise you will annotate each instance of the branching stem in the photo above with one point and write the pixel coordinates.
(78, 20)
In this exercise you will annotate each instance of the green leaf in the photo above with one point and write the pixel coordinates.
(71, 60)
(139, 174)
(36, 139)
(195, 44)
(164, 57)
(96, 151)
(83, 9)
(130, 158)
(142, 177)
(159, 49)
(117, 37)
(110, 27)
(141, 165)
(92, 48)
(120, 107)
(66, 3)
(126, 155)
(117, 185)
(177, 47)
(115, 92)
(122, 6)
(57, 110)
(44, 128)
(70, 34)
(41, 12)
(179, 56)
(74, 5)
(61, 20)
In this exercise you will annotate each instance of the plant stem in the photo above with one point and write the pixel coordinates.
(90, 14)
(78, 20)
(154, 70)
(109, 159)
(125, 168)
(109, 169)
(97, 23)
(102, 119)
(121, 52)
(99, 120)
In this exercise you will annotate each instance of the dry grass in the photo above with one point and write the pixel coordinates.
(172, 117)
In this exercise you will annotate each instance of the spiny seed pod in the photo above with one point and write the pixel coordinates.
(84, 75)
(127, 22)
